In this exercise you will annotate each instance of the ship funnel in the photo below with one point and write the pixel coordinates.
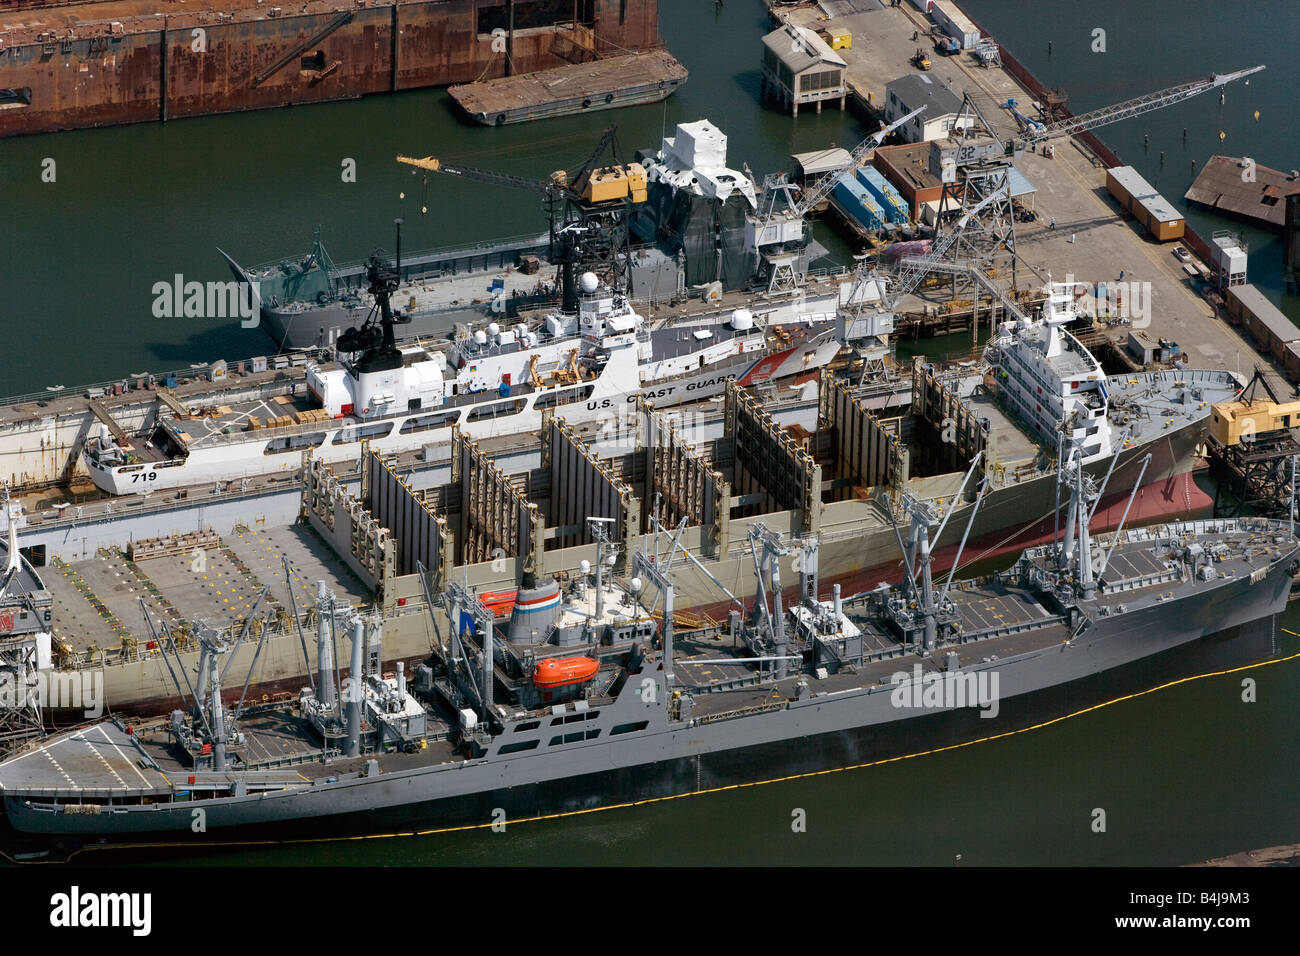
(401, 679)
(838, 605)
(534, 613)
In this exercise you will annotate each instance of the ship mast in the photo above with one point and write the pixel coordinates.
(375, 339)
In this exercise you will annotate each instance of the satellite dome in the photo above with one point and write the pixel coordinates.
(635, 584)
(589, 283)
(493, 328)
(584, 566)
(742, 320)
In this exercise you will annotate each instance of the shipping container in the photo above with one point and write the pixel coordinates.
(852, 199)
(1150, 208)
(883, 191)
(955, 23)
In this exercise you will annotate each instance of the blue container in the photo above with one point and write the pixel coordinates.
(854, 199)
(883, 191)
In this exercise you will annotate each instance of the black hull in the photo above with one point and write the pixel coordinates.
(627, 787)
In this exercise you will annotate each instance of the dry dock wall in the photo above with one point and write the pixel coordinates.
(100, 64)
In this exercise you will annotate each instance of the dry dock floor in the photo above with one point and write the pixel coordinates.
(97, 601)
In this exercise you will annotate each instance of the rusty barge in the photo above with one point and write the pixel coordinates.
(632, 79)
(71, 65)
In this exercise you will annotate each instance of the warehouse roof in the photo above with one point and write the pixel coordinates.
(917, 89)
(1265, 312)
(799, 48)
(823, 161)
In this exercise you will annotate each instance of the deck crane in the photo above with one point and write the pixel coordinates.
(592, 199)
(782, 231)
(584, 185)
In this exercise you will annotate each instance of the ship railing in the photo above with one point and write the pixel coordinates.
(830, 272)
(106, 389)
(158, 503)
(472, 351)
(739, 712)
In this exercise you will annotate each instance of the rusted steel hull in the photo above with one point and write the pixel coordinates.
(628, 80)
(79, 65)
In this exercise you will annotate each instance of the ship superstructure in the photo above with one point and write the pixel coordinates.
(1047, 377)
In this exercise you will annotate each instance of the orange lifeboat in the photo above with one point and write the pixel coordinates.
(557, 672)
(500, 603)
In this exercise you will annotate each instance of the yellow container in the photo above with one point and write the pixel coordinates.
(840, 39)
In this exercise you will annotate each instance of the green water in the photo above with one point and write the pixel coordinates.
(1188, 773)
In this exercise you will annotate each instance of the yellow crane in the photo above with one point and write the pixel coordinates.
(1246, 417)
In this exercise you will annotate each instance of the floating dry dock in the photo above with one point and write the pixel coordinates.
(628, 80)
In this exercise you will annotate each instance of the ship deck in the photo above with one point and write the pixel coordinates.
(1155, 403)
(438, 293)
(1139, 574)
(126, 761)
(217, 422)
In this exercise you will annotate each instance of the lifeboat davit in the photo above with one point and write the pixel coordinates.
(563, 671)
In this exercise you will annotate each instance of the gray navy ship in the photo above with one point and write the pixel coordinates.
(595, 695)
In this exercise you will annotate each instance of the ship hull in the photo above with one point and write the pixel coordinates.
(320, 326)
(632, 96)
(1235, 624)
